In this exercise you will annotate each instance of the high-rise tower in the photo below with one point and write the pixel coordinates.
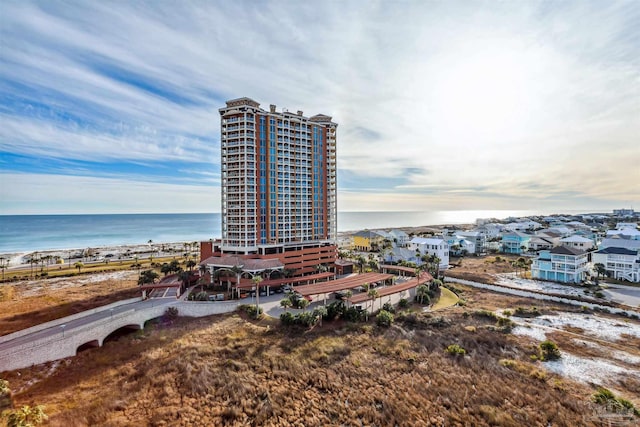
(278, 180)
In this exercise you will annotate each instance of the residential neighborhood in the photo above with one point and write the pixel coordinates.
(560, 248)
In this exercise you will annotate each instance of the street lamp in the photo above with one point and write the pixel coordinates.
(111, 310)
(63, 326)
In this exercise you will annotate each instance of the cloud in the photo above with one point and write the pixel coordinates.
(432, 99)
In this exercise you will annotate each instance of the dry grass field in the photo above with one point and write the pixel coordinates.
(31, 302)
(481, 269)
(228, 370)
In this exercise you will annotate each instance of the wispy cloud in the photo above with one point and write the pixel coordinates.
(447, 104)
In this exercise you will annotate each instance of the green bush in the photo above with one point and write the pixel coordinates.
(352, 314)
(387, 306)
(549, 350)
(250, 309)
(605, 397)
(403, 303)
(384, 318)
(527, 312)
(287, 318)
(171, 313)
(455, 350)
(334, 310)
(485, 314)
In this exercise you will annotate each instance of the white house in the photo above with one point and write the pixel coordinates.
(629, 233)
(623, 225)
(477, 238)
(399, 238)
(523, 226)
(561, 264)
(619, 241)
(490, 230)
(577, 242)
(432, 246)
(620, 263)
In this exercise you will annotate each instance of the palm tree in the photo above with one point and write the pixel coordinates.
(237, 270)
(78, 265)
(303, 303)
(600, 269)
(361, 261)
(422, 291)
(373, 294)
(256, 281)
(190, 264)
(285, 303)
(348, 294)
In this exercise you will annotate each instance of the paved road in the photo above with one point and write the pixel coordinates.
(629, 295)
(83, 321)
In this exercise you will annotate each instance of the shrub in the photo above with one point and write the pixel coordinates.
(387, 306)
(334, 310)
(5, 396)
(549, 351)
(455, 350)
(403, 303)
(599, 294)
(507, 313)
(287, 318)
(527, 312)
(506, 324)
(485, 314)
(384, 318)
(26, 416)
(201, 296)
(605, 397)
(171, 313)
(250, 309)
(352, 314)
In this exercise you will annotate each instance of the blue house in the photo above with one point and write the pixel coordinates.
(514, 241)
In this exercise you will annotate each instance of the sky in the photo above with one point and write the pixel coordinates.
(112, 106)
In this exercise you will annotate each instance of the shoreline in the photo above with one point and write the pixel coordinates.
(18, 259)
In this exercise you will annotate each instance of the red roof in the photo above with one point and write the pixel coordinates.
(342, 284)
(389, 290)
(287, 280)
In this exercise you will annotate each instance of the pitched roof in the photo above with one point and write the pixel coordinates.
(576, 239)
(617, 251)
(564, 250)
(369, 234)
(427, 240)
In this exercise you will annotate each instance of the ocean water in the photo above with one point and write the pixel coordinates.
(19, 233)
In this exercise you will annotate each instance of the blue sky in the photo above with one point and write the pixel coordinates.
(109, 107)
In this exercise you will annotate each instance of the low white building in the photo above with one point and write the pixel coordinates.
(620, 263)
(627, 233)
(577, 242)
(399, 238)
(432, 246)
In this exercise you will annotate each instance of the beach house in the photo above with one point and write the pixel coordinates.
(619, 263)
(561, 264)
(432, 246)
(515, 242)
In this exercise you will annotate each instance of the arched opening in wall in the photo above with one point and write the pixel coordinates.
(120, 332)
(88, 345)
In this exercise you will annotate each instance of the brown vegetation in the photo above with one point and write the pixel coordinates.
(481, 269)
(229, 371)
